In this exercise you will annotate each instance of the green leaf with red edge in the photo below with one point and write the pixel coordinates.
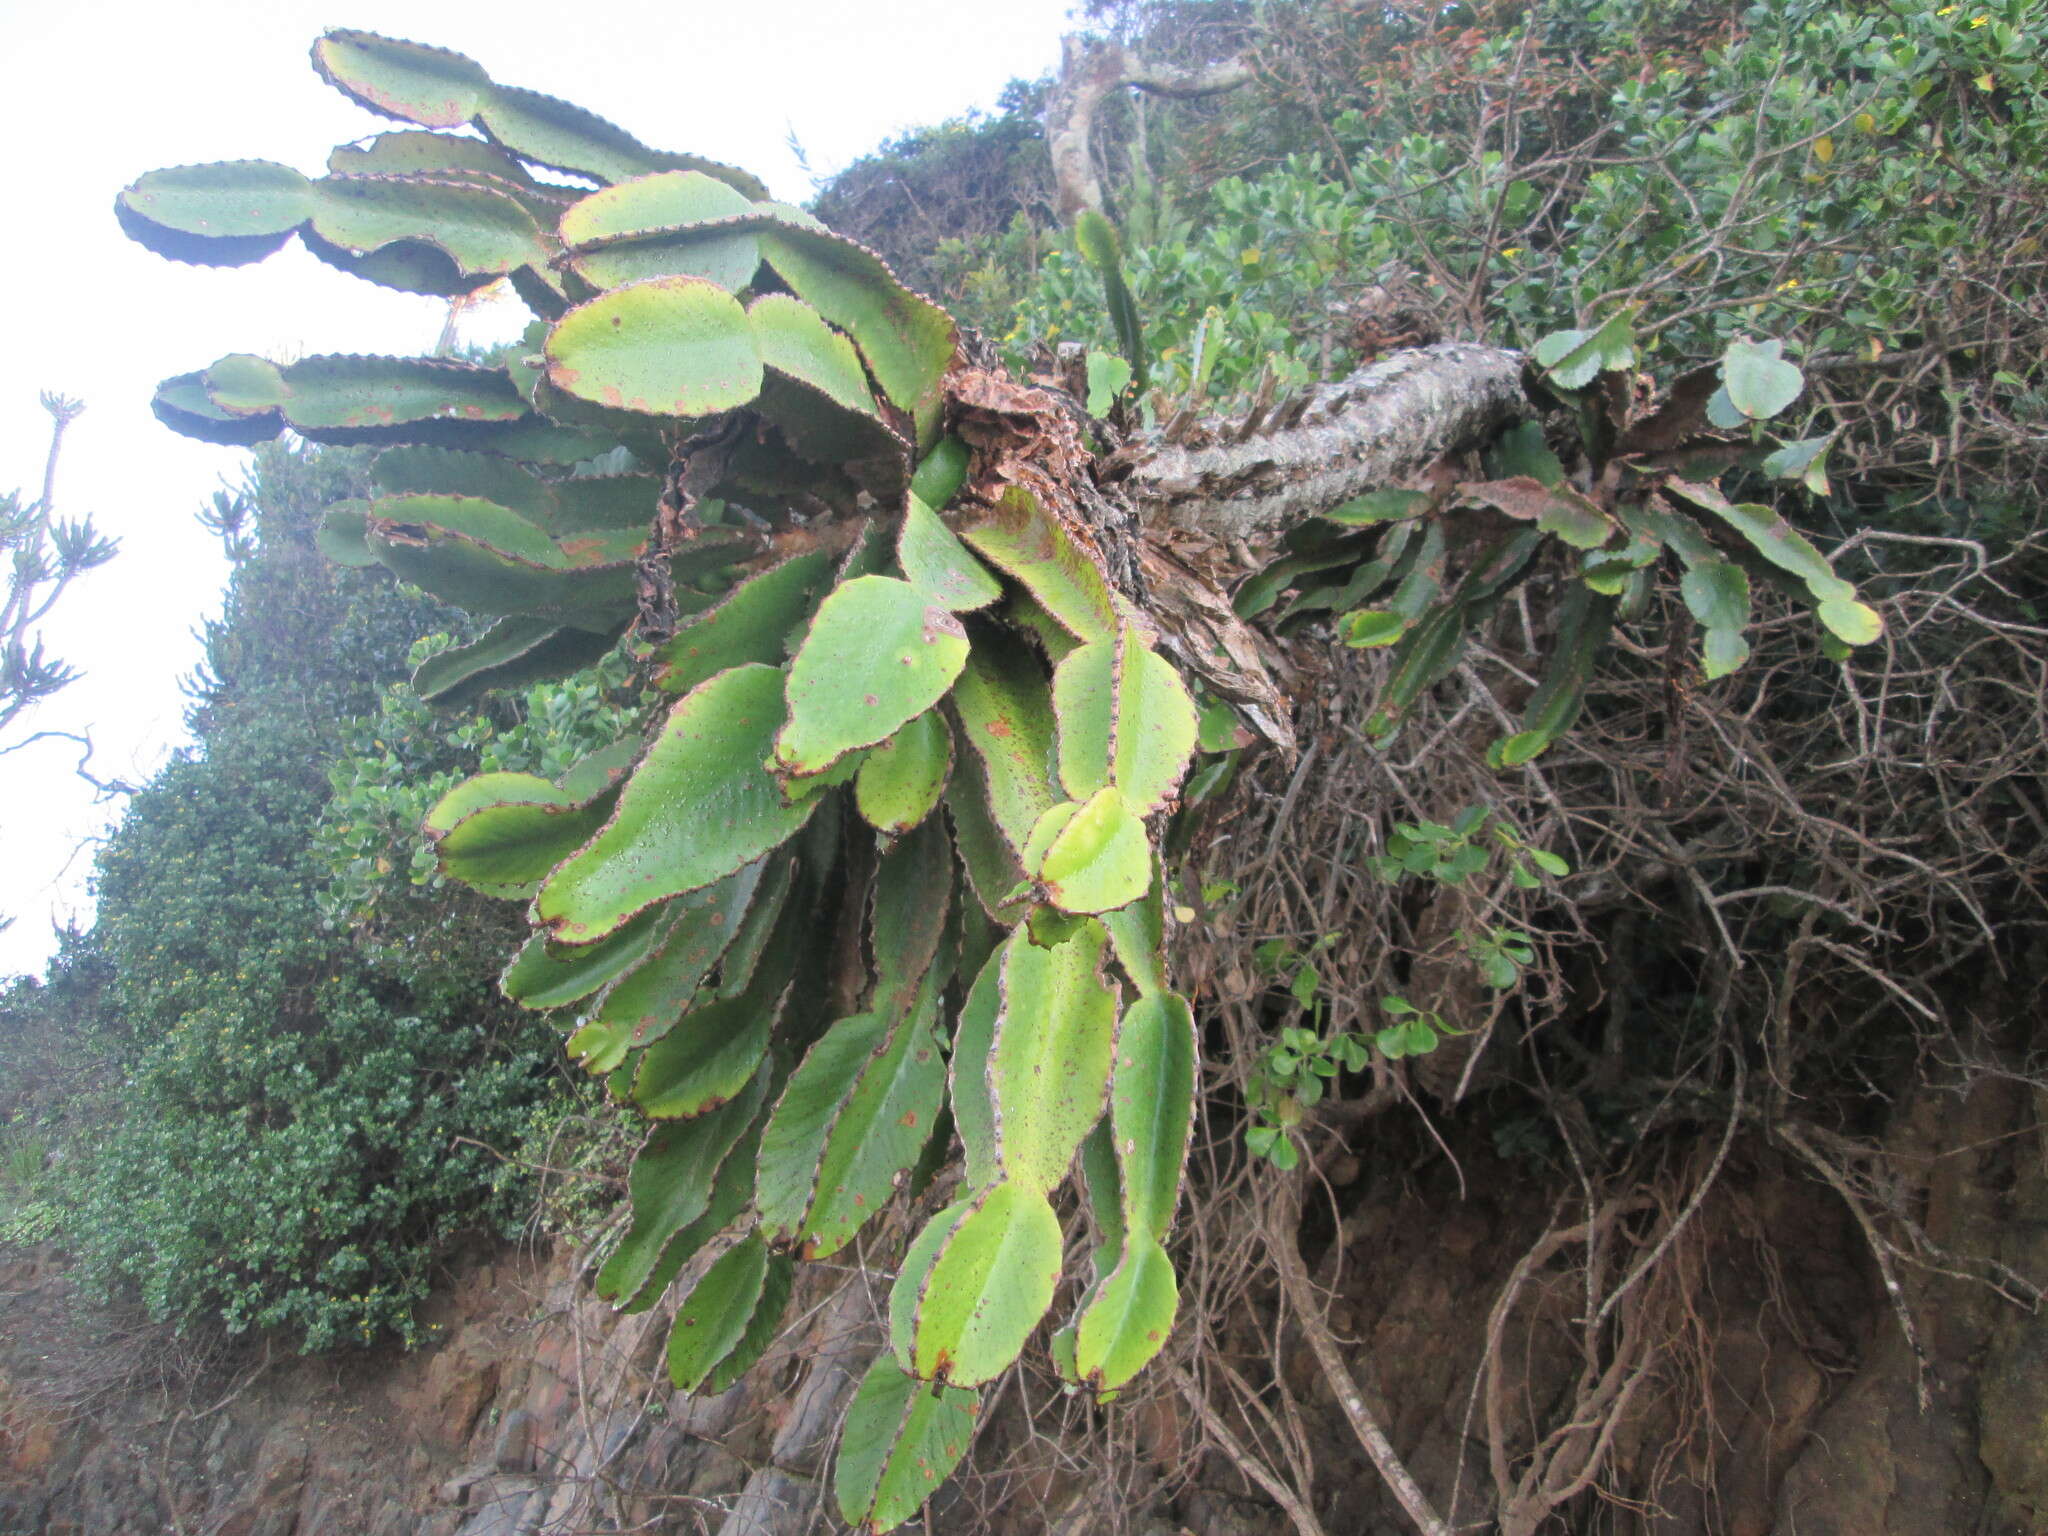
(1151, 1105)
(738, 1299)
(1128, 1319)
(907, 340)
(902, 1438)
(515, 652)
(1004, 705)
(751, 623)
(544, 975)
(877, 655)
(939, 565)
(707, 1056)
(1022, 540)
(974, 1034)
(989, 1281)
(1099, 858)
(500, 833)
(646, 1002)
(1050, 1054)
(1124, 718)
(438, 88)
(670, 1186)
(700, 807)
(900, 782)
(666, 346)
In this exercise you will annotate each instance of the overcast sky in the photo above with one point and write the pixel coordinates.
(96, 92)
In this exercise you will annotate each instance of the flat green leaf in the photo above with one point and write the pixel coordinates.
(912, 906)
(973, 1103)
(907, 340)
(939, 565)
(413, 82)
(500, 833)
(988, 1285)
(903, 1437)
(706, 1057)
(1108, 377)
(440, 89)
(363, 399)
(1574, 359)
(652, 204)
(1099, 860)
(1370, 627)
(228, 214)
(1124, 718)
(713, 1318)
(877, 1131)
(877, 655)
(752, 623)
(412, 470)
(700, 807)
(732, 1192)
(1586, 621)
(1022, 540)
(670, 1186)
(1385, 506)
(1722, 651)
(900, 782)
(1004, 705)
(795, 341)
(1151, 1105)
(544, 975)
(993, 870)
(1851, 622)
(668, 346)
(1717, 594)
(515, 652)
(1129, 1319)
(762, 1327)
(182, 404)
(406, 152)
(482, 230)
(1557, 510)
(1805, 461)
(1760, 383)
(1049, 1062)
(342, 533)
(1138, 934)
(648, 1001)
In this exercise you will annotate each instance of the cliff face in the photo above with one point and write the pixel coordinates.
(1787, 1402)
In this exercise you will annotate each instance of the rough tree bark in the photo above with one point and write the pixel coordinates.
(1254, 478)
(1089, 70)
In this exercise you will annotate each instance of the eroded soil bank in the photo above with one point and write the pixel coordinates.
(1775, 1392)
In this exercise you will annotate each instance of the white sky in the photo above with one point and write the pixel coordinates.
(96, 92)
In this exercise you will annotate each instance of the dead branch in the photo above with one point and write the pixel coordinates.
(1090, 70)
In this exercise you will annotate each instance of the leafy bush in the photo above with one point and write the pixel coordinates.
(290, 1144)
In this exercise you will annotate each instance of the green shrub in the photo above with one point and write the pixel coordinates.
(294, 1135)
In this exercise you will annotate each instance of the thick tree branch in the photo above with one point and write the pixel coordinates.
(1089, 71)
(1343, 439)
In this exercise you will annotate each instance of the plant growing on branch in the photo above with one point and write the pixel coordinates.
(910, 659)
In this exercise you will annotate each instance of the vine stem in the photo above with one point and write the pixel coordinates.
(1301, 1295)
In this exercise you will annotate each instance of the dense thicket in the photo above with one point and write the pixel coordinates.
(270, 1127)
